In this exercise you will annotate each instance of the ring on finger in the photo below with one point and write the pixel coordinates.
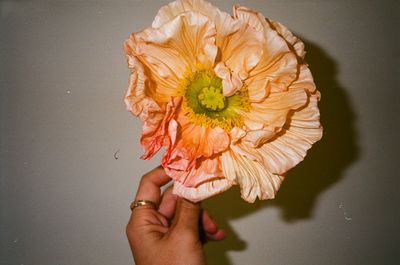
(147, 203)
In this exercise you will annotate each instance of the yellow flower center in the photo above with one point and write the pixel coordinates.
(212, 98)
(204, 103)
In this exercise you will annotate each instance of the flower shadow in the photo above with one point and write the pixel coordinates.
(324, 165)
(328, 159)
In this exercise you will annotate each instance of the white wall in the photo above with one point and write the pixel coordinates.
(64, 197)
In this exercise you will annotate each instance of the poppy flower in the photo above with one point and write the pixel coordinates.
(230, 99)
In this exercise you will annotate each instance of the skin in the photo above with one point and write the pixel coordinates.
(174, 233)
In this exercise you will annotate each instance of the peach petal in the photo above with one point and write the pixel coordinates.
(292, 40)
(305, 80)
(249, 16)
(236, 134)
(290, 148)
(201, 141)
(277, 68)
(258, 88)
(137, 87)
(184, 41)
(259, 22)
(278, 65)
(253, 179)
(257, 138)
(224, 23)
(231, 82)
(242, 49)
(168, 51)
(205, 170)
(157, 86)
(174, 9)
(267, 118)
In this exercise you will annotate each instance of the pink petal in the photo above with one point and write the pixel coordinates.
(159, 132)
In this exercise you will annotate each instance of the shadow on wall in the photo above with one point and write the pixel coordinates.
(324, 165)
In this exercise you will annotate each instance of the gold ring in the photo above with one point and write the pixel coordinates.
(137, 203)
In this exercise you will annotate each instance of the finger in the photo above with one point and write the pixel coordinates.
(208, 223)
(186, 216)
(218, 235)
(168, 204)
(210, 228)
(150, 185)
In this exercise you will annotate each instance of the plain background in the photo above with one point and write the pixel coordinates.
(70, 154)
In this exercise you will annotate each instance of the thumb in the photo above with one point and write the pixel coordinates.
(186, 216)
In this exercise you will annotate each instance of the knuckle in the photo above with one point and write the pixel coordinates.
(189, 205)
(129, 229)
(184, 235)
(185, 232)
(145, 177)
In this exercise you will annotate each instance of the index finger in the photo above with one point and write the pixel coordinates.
(150, 185)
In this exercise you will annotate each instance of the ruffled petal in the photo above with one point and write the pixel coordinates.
(224, 23)
(174, 9)
(277, 68)
(249, 16)
(254, 180)
(203, 191)
(236, 134)
(259, 22)
(195, 144)
(304, 81)
(202, 141)
(291, 145)
(231, 82)
(257, 138)
(136, 93)
(267, 118)
(159, 78)
(276, 105)
(293, 41)
(177, 46)
(242, 49)
(205, 170)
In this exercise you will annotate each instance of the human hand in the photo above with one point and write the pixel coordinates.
(170, 234)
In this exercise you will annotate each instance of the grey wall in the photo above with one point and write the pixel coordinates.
(64, 196)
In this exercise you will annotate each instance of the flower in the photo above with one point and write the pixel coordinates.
(229, 98)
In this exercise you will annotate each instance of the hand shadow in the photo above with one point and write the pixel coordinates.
(224, 207)
(324, 165)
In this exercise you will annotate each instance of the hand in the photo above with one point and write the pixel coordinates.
(170, 234)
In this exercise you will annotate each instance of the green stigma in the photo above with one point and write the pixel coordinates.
(205, 104)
